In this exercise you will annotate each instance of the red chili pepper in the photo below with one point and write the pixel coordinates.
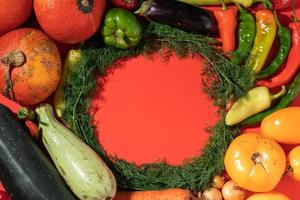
(293, 60)
(281, 4)
(33, 129)
(4, 196)
(227, 22)
(22, 113)
(126, 4)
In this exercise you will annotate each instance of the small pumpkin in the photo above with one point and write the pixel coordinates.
(255, 163)
(269, 196)
(293, 160)
(30, 66)
(69, 21)
(13, 13)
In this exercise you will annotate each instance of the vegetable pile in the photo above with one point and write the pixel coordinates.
(243, 75)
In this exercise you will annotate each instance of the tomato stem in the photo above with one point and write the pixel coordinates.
(257, 158)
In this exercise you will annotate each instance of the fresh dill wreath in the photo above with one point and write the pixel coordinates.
(222, 81)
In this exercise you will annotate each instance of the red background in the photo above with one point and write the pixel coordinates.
(148, 110)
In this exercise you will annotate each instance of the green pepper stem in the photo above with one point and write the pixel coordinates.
(144, 7)
(223, 4)
(279, 94)
(277, 20)
(267, 3)
(25, 113)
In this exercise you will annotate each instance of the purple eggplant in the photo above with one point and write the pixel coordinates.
(179, 15)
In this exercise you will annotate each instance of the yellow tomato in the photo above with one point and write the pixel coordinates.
(255, 163)
(268, 196)
(293, 159)
(283, 125)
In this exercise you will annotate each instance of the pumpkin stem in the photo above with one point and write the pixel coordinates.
(13, 59)
(86, 6)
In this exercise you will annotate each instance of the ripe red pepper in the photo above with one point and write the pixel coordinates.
(126, 4)
(282, 4)
(293, 60)
(227, 23)
(4, 196)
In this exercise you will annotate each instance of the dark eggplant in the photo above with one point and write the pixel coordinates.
(179, 15)
(25, 172)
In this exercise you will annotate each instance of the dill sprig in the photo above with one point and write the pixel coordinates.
(222, 80)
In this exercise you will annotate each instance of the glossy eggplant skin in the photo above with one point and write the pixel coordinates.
(25, 172)
(179, 15)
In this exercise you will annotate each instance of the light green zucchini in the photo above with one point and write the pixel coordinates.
(82, 169)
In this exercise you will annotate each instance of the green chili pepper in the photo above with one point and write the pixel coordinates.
(291, 94)
(245, 3)
(266, 29)
(121, 29)
(255, 101)
(284, 35)
(246, 35)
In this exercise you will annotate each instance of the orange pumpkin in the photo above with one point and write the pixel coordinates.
(69, 21)
(255, 163)
(268, 196)
(293, 159)
(283, 125)
(13, 13)
(30, 66)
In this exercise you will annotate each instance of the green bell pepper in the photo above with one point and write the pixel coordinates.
(121, 29)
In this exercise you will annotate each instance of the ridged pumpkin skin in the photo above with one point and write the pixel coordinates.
(39, 76)
(69, 21)
(13, 13)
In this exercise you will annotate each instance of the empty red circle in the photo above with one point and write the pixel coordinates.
(149, 110)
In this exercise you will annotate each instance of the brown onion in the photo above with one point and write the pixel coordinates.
(218, 182)
(231, 191)
(211, 194)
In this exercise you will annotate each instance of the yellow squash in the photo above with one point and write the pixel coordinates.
(68, 68)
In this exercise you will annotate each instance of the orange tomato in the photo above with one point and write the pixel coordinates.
(255, 163)
(283, 125)
(268, 196)
(293, 159)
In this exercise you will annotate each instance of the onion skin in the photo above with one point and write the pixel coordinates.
(211, 194)
(218, 182)
(231, 191)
